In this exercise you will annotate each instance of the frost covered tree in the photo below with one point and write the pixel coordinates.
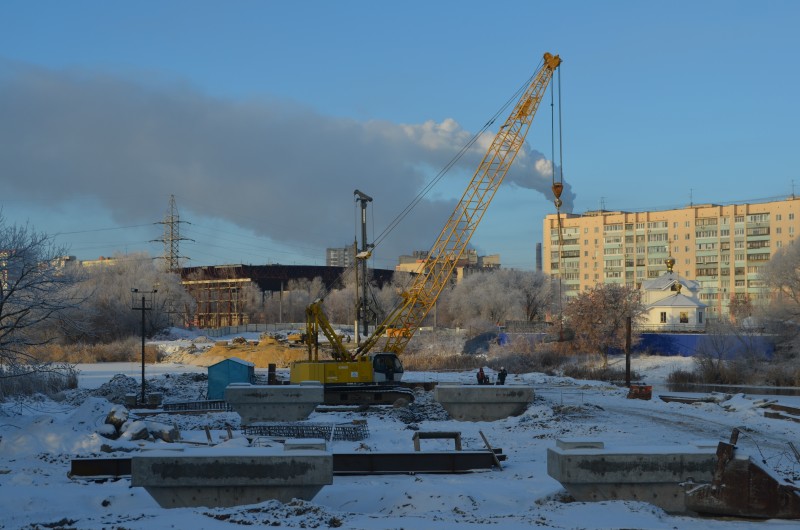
(781, 275)
(107, 313)
(36, 291)
(486, 298)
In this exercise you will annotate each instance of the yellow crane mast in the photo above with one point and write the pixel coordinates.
(456, 234)
(349, 369)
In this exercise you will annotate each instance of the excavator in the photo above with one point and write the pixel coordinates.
(362, 376)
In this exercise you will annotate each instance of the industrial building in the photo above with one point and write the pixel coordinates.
(722, 247)
(469, 262)
(219, 290)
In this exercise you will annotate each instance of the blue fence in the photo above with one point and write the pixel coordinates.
(688, 344)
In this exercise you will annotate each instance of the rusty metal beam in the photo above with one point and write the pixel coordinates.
(417, 462)
(100, 467)
(343, 463)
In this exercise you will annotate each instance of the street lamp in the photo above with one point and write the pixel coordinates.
(146, 305)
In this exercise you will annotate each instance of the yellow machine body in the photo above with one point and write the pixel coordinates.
(333, 372)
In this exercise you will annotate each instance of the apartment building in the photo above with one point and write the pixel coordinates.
(340, 257)
(722, 247)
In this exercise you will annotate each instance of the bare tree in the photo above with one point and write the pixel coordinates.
(35, 291)
(598, 316)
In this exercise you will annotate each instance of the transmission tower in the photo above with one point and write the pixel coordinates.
(172, 237)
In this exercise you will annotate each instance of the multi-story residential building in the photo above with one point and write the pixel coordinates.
(722, 247)
(340, 257)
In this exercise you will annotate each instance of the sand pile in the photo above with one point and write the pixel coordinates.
(262, 354)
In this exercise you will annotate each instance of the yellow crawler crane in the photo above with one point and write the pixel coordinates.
(352, 369)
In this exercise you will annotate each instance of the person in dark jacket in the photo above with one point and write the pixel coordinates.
(483, 379)
(501, 376)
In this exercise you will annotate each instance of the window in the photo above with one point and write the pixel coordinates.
(791, 217)
(663, 317)
(684, 317)
(777, 217)
(699, 317)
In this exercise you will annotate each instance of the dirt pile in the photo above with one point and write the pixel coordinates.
(262, 354)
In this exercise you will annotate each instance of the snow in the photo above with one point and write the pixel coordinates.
(40, 437)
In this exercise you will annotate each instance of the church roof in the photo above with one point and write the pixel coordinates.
(666, 280)
(677, 300)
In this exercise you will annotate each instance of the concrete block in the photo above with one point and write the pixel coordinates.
(576, 443)
(483, 402)
(216, 477)
(263, 403)
(658, 475)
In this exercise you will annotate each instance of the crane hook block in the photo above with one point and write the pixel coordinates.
(558, 187)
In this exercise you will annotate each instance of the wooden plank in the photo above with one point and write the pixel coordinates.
(491, 450)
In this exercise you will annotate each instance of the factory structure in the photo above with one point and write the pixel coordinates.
(723, 248)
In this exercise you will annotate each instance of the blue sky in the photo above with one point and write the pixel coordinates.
(262, 117)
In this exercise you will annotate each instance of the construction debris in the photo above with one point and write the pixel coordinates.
(742, 488)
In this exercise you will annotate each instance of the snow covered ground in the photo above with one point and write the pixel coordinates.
(39, 437)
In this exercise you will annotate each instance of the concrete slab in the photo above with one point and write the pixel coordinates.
(218, 477)
(264, 403)
(305, 444)
(658, 475)
(483, 402)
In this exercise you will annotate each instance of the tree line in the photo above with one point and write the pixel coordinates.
(42, 301)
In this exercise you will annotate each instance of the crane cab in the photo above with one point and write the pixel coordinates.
(387, 367)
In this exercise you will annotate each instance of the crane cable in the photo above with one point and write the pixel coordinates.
(558, 188)
(428, 187)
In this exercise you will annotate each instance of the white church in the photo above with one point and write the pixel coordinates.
(671, 302)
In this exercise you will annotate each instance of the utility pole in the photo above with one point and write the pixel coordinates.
(363, 256)
(172, 237)
(358, 301)
(628, 351)
(146, 305)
